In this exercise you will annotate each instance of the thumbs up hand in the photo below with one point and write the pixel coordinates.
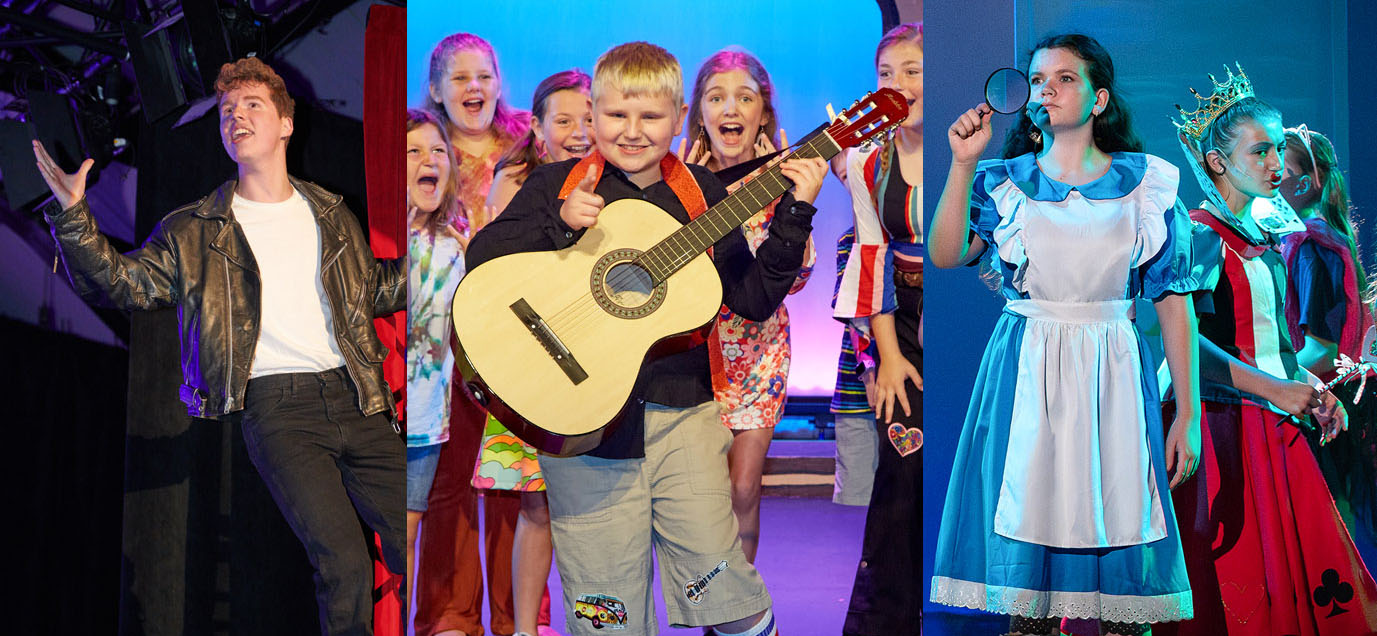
(580, 209)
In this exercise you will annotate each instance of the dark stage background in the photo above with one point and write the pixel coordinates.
(1306, 58)
(130, 516)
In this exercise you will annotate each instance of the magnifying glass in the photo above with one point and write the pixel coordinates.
(1007, 91)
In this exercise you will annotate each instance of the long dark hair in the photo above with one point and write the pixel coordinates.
(526, 153)
(1112, 128)
(1335, 208)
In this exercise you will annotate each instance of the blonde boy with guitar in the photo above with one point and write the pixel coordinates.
(661, 477)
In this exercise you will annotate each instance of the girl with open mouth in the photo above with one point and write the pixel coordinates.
(880, 296)
(1265, 547)
(732, 120)
(465, 94)
(435, 264)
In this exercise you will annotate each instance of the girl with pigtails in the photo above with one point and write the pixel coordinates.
(880, 297)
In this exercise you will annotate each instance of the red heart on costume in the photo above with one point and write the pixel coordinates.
(905, 440)
(1241, 601)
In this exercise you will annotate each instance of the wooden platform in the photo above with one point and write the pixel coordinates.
(799, 468)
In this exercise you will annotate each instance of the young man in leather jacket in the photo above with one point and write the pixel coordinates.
(276, 290)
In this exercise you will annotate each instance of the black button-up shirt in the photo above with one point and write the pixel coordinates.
(752, 287)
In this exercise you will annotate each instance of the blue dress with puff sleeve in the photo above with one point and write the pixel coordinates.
(1058, 503)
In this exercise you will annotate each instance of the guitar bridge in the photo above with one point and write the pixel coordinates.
(547, 338)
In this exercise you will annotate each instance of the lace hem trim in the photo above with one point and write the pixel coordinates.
(1016, 601)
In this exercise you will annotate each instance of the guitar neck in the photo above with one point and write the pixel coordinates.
(686, 243)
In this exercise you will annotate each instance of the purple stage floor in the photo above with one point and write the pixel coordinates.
(808, 553)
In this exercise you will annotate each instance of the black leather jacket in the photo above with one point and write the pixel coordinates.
(199, 261)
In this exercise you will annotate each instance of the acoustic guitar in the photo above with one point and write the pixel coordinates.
(551, 342)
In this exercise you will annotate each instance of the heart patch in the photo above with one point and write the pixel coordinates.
(905, 440)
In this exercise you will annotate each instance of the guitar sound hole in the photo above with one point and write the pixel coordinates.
(624, 289)
(628, 285)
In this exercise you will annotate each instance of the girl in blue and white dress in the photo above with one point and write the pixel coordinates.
(1059, 501)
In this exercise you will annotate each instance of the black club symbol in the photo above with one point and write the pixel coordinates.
(1333, 590)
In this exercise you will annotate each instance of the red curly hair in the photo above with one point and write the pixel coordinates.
(251, 70)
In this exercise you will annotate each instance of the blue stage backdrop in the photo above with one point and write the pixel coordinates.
(816, 53)
(1297, 53)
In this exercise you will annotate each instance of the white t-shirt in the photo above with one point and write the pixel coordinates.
(295, 332)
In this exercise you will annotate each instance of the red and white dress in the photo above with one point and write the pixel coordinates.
(1266, 550)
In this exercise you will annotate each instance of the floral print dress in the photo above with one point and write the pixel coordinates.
(755, 355)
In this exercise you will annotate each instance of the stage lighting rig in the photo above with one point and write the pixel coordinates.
(176, 60)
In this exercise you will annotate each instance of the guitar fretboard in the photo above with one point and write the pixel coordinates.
(686, 243)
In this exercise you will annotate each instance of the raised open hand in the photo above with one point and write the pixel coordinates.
(68, 188)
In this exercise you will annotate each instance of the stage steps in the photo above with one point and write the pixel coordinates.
(799, 468)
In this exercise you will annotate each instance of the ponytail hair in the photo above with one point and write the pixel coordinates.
(1335, 207)
(527, 152)
(907, 32)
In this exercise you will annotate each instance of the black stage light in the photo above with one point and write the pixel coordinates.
(23, 184)
(155, 69)
(206, 45)
(52, 119)
(177, 61)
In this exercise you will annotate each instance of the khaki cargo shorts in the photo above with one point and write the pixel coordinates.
(606, 514)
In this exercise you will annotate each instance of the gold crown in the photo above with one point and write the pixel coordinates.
(1234, 88)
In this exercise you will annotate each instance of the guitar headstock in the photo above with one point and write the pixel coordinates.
(868, 118)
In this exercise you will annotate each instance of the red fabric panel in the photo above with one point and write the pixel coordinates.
(384, 134)
(1266, 550)
(865, 295)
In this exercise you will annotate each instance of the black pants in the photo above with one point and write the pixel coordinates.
(326, 466)
(887, 596)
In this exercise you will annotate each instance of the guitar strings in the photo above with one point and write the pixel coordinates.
(575, 313)
(648, 261)
(567, 321)
(686, 237)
